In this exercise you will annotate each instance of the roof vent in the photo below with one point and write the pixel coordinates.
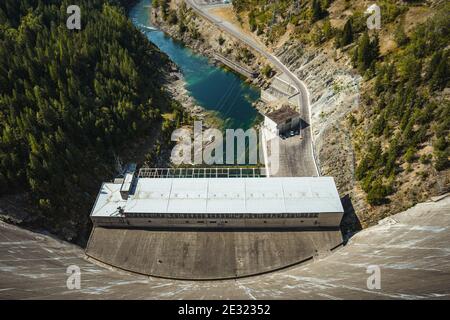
(128, 179)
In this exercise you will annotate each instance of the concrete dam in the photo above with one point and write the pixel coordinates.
(410, 248)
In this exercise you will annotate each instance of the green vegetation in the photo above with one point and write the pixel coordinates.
(72, 100)
(346, 36)
(245, 56)
(317, 11)
(180, 17)
(407, 116)
(400, 36)
(366, 53)
(267, 71)
(391, 10)
(164, 5)
(221, 40)
(322, 32)
(272, 17)
(356, 24)
(167, 14)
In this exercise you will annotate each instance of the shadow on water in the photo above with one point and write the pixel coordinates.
(350, 224)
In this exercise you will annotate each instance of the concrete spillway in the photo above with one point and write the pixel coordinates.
(207, 254)
(410, 248)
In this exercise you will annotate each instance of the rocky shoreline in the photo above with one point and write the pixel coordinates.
(176, 87)
(205, 39)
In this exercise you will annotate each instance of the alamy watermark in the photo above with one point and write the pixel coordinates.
(374, 20)
(74, 279)
(374, 280)
(74, 20)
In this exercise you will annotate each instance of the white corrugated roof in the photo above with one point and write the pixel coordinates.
(222, 195)
(108, 200)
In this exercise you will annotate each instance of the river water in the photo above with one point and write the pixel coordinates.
(213, 88)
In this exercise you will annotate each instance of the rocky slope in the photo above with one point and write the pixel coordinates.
(345, 106)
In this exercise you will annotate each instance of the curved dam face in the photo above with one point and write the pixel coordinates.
(410, 248)
(202, 255)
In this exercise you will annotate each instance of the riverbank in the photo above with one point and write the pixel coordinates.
(205, 39)
(176, 87)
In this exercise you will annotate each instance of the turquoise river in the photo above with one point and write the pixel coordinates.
(212, 87)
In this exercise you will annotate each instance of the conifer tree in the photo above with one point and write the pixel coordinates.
(317, 12)
(347, 33)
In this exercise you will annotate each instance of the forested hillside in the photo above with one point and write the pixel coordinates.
(70, 100)
(401, 129)
(407, 118)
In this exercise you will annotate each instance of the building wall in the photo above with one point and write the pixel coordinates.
(320, 220)
(293, 124)
(270, 125)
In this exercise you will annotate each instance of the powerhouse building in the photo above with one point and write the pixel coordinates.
(217, 201)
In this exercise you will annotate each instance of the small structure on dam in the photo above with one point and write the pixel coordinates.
(282, 121)
(160, 198)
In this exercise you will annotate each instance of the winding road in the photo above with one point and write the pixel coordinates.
(303, 161)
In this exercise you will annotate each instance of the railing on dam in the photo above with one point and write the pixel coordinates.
(216, 172)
